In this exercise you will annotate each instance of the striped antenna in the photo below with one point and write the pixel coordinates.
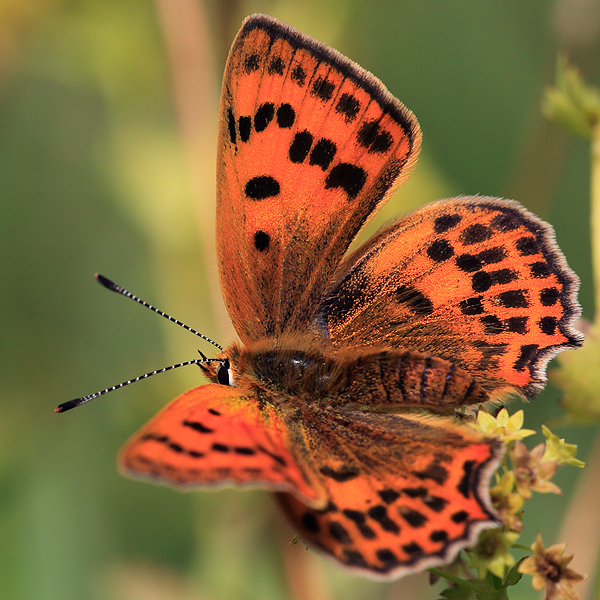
(111, 285)
(65, 406)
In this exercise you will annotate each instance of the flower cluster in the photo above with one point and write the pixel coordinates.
(529, 471)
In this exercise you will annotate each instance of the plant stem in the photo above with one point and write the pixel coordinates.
(595, 215)
(476, 587)
(521, 547)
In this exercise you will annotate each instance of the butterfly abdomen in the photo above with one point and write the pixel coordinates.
(409, 378)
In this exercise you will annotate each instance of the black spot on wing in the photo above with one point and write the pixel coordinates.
(298, 75)
(526, 246)
(506, 221)
(513, 299)
(220, 448)
(446, 222)
(492, 255)
(342, 474)
(413, 517)
(549, 296)
(375, 139)
(476, 233)
(459, 517)
(244, 126)
(540, 270)
(300, 146)
(244, 450)
(484, 280)
(276, 66)
(415, 300)
(527, 355)
(197, 426)
(348, 177)
(438, 535)
(472, 306)
(310, 522)
(388, 558)
(339, 533)
(548, 325)
(379, 513)
(413, 548)
(286, 116)
(435, 472)
(359, 520)
(322, 89)
(231, 126)
(440, 250)
(388, 495)
(517, 324)
(323, 153)
(469, 263)
(465, 483)
(259, 188)
(492, 324)
(348, 105)
(353, 558)
(264, 115)
(252, 63)
(435, 503)
(261, 241)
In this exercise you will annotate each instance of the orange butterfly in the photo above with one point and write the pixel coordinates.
(461, 302)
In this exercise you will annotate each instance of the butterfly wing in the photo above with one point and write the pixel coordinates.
(214, 436)
(310, 145)
(405, 492)
(480, 282)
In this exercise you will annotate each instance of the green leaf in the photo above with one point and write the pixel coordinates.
(458, 592)
(513, 576)
(493, 595)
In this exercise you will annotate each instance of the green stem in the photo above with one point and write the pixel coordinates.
(595, 215)
(476, 587)
(521, 547)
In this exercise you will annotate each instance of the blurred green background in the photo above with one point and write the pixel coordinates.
(107, 160)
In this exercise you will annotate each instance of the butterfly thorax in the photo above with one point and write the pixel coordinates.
(287, 372)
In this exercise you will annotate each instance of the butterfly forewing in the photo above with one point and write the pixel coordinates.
(213, 435)
(310, 144)
(480, 282)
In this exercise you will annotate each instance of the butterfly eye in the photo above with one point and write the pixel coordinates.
(224, 375)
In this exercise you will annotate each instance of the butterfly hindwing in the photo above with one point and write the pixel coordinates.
(310, 145)
(213, 435)
(409, 502)
(477, 281)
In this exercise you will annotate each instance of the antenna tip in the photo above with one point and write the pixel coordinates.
(65, 406)
(107, 283)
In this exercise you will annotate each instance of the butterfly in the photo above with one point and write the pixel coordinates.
(340, 394)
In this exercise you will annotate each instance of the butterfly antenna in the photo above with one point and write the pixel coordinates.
(73, 403)
(111, 285)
